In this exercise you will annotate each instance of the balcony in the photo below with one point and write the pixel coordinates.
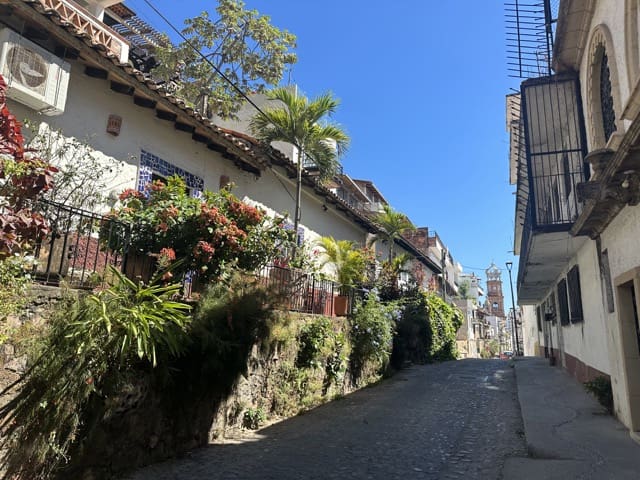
(312, 167)
(84, 23)
(551, 167)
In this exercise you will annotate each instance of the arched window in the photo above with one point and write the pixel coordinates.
(606, 97)
(602, 89)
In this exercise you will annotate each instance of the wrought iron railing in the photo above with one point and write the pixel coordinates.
(298, 291)
(82, 245)
(555, 146)
(75, 251)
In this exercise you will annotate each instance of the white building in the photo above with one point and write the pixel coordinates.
(577, 213)
(70, 72)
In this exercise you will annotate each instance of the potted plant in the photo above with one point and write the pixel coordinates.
(348, 264)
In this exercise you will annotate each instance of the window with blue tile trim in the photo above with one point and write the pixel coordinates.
(152, 164)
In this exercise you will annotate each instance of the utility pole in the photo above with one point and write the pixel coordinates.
(514, 327)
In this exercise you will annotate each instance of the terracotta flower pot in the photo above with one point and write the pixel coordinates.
(341, 305)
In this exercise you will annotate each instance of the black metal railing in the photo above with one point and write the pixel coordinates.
(82, 245)
(299, 291)
(555, 147)
(76, 250)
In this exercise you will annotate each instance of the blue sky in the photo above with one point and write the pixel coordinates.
(422, 85)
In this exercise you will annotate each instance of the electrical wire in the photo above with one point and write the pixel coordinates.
(233, 85)
(218, 71)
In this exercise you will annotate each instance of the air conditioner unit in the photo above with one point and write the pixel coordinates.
(36, 78)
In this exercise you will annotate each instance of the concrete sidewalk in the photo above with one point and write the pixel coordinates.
(568, 434)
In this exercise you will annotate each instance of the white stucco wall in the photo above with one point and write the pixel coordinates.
(609, 14)
(587, 340)
(531, 338)
(89, 103)
(621, 240)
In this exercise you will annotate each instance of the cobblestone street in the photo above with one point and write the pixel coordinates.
(445, 421)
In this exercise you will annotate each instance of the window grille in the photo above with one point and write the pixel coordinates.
(563, 302)
(606, 99)
(575, 295)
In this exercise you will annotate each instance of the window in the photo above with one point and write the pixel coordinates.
(575, 295)
(606, 97)
(563, 302)
(153, 167)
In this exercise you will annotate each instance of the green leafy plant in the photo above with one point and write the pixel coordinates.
(444, 322)
(600, 387)
(92, 346)
(372, 328)
(393, 224)
(312, 339)
(426, 330)
(348, 262)
(209, 235)
(83, 177)
(14, 281)
(254, 418)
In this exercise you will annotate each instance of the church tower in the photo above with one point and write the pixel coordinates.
(495, 299)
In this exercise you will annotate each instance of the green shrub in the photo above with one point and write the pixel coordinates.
(372, 328)
(14, 283)
(93, 345)
(444, 322)
(426, 331)
(253, 418)
(600, 387)
(313, 337)
(229, 319)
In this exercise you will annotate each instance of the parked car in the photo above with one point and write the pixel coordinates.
(506, 355)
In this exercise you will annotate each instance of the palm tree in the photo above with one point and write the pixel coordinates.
(349, 262)
(298, 122)
(393, 224)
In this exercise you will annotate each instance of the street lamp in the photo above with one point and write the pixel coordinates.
(514, 327)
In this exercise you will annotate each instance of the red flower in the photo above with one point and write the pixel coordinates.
(172, 212)
(204, 251)
(130, 193)
(168, 253)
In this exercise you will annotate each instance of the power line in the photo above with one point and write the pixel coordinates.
(233, 85)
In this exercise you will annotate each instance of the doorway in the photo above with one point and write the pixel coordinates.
(627, 290)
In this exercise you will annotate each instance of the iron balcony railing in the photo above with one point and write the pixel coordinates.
(555, 147)
(75, 249)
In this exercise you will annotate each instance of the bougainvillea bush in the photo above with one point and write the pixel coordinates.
(207, 235)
